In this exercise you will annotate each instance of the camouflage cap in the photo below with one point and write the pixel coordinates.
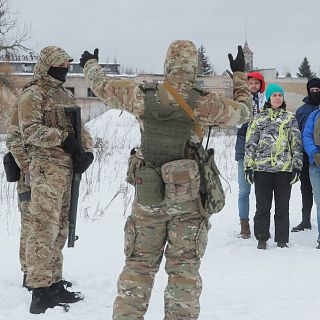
(50, 56)
(181, 61)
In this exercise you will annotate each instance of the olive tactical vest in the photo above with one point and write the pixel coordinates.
(167, 129)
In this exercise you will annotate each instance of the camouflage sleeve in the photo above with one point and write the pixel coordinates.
(251, 146)
(87, 142)
(31, 122)
(121, 94)
(215, 109)
(14, 141)
(296, 146)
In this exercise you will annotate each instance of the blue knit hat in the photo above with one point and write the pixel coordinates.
(272, 88)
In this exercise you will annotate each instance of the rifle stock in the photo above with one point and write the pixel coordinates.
(74, 114)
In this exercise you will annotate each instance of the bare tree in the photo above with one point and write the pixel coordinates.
(12, 36)
(12, 39)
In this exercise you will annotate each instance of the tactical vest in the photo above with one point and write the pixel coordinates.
(167, 129)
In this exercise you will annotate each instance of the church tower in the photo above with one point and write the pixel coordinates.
(248, 57)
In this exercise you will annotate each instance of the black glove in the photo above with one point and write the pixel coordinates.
(295, 176)
(88, 56)
(71, 144)
(82, 162)
(248, 175)
(238, 63)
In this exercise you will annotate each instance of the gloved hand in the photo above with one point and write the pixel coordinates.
(316, 132)
(71, 144)
(238, 63)
(316, 159)
(248, 175)
(88, 56)
(295, 176)
(82, 162)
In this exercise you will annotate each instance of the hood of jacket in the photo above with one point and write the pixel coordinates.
(181, 62)
(49, 56)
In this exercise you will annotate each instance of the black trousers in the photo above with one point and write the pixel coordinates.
(306, 189)
(267, 184)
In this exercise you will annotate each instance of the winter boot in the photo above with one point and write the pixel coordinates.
(245, 229)
(42, 300)
(318, 246)
(60, 293)
(304, 224)
(262, 244)
(282, 245)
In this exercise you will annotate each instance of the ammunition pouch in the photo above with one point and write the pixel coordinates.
(11, 168)
(212, 195)
(149, 186)
(181, 179)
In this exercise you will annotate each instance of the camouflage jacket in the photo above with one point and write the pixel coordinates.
(211, 109)
(42, 120)
(273, 142)
(14, 141)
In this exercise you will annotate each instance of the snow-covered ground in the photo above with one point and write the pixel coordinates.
(239, 281)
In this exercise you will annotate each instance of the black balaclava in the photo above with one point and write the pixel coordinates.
(58, 73)
(314, 96)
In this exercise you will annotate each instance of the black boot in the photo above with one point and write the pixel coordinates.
(301, 226)
(67, 283)
(60, 293)
(304, 224)
(262, 244)
(282, 244)
(42, 300)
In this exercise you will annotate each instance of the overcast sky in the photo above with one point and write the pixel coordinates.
(137, 32)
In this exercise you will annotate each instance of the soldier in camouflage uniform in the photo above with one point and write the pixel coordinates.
(273, 161)
(54, 154)
(16, 147)
(171, 225)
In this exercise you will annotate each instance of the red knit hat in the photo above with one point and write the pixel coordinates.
(259, 76)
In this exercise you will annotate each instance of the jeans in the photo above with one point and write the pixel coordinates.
(314, 173)
(244, 192)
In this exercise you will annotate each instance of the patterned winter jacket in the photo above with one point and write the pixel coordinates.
(273, 142)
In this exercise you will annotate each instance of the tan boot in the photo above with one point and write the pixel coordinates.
(245, 229)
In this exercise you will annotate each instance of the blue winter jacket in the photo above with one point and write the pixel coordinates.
(307, 136)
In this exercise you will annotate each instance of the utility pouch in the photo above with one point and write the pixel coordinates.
(149, 186)
(182, 180)
(134, 164)
(11, 168)
(211, 190)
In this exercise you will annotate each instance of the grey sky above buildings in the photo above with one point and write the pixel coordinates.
(137, 32)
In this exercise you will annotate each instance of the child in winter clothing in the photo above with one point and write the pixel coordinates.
(273, 161)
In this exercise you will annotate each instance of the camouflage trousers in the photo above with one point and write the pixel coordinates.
(23, 204)
(49, 205)
(180, 233)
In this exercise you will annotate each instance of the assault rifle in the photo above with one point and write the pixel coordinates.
(74, 115)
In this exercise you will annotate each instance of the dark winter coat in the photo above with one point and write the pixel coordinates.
(304, 111)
